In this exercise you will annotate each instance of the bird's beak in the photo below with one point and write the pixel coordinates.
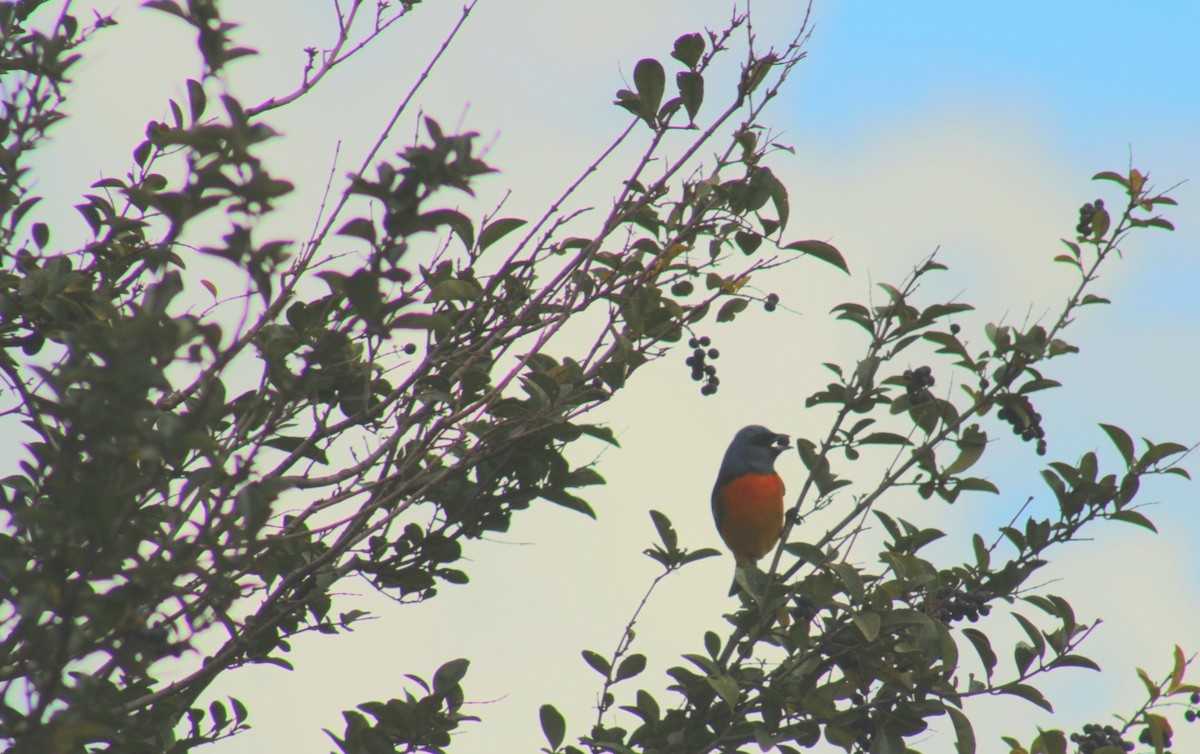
(781, 442)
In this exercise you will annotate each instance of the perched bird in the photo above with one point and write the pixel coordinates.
(747, 499)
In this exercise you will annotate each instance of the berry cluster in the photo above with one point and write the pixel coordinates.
(917, 383)
(1098, 736)
(771, 302)
(949, 604)
(700, 369)
(1025, 421)
(1086, 213)
(806, 609)
(1147, 738)
(1191, 716)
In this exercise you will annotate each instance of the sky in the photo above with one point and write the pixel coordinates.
(972, 128)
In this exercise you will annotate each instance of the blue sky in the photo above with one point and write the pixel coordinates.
(1102, 73)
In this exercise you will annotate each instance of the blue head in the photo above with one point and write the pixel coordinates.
(753, 451)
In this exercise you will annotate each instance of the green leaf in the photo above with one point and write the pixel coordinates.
(497, 229)
(1055, 742)
(41, 234)
(850, 578)
(567, 500)
(983, 557)
(359, 227)
(983, 647)
(964, 735)
(884, 438)
(1158, 222)
(458, 222)
(1028, 693)
(630, 667)
(196, 99)
(726, 688)
(239, 710)
(688, 49)
(1133, 517)
(219, 715)
(596, 662)
(454, 290)
(1035, 636)
(289, 444)
(167, 6)
(682, 288)
(970, 447)
(415, 321)
(1156, 452)
(821, 250)
(730, 309)
(1120, 438)
(554, 727)
(599, 432)
(691, 91)
(630, 101)
(868, 624)
(1109, 175)
(651, 81)
(975, 484)
(747, 242)
(666, 531)
(447, 677)
(585, 476)
(1075, 661)
(779, 195)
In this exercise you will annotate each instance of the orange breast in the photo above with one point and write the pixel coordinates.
(752, 515)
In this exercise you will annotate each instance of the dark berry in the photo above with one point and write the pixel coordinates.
(410, 348)
(694, 343)
(1099, 204)
(954, 329)
(772, 298)
(714, 353)
(710, 370)
(708, 389)
(705, 342)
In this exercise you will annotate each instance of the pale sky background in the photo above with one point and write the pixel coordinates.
(970, 126)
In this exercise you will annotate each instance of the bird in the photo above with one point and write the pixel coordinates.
(747, 498)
